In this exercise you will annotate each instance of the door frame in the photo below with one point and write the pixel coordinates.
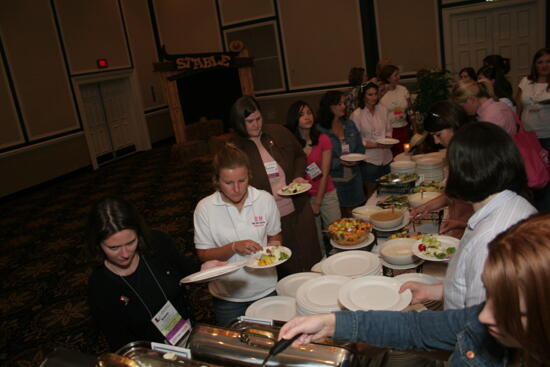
(450, 11)
(139, 124)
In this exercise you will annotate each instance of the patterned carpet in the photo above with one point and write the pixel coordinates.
(44, 265)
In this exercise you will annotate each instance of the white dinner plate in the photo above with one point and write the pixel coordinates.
(387, 141)
(253, 259)
(321, 294)
(417, 277)
(304, 187)
(353, 157)
(273, 308)
(351, 264)
(406, 220)
(402, 267)
(370, 239)
(374, 293)
(212, 273)
(446, 242)
(288, 286)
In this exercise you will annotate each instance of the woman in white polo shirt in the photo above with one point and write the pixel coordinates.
(235, 221)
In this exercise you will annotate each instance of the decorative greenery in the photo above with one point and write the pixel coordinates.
(433, 86)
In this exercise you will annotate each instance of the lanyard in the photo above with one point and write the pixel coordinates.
(137, 294)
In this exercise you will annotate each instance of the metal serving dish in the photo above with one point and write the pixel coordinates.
(141, 353)
(247, 344)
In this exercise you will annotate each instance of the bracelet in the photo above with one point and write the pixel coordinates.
(233, 246)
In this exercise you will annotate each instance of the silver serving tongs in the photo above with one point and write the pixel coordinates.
(278, 347)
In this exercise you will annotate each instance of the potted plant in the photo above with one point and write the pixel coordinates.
(432, 86)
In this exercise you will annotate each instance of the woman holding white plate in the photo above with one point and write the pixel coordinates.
(277, 160)
(486, 170)
(235, 221)
(371, 119)
(318, 149)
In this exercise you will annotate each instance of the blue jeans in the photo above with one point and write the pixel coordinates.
(225, 311)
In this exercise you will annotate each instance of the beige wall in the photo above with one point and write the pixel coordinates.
(321, 41)
(96, 24)
(188, 26)
(38, 71)
(233, 11)
(144, 52)
(408, 33)
(43, 163)
(159, 125)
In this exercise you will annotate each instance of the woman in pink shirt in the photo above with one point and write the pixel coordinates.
(477, 99)
(318, 149)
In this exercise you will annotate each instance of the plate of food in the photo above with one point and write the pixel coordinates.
(435, 247)
(271, 256)
(353, 157)
(349, 231)
(387, 141)
(294, 188)
(213, 273)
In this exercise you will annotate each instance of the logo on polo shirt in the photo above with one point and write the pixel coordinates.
(258, 221)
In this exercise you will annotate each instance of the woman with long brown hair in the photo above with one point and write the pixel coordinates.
(512, 328)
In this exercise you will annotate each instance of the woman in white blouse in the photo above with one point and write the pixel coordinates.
(371, 119)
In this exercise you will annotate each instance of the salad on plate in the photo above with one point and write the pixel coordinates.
(430, 247)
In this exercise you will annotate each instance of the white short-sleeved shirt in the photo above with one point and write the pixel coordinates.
(218, 223)
(535, 116)
(374, 126)
(463, 286)
(397, 102)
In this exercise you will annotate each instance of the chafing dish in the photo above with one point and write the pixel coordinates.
(247, 344)
(141, 353)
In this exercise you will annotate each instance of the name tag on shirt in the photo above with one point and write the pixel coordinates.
(170, 323)
(272, 170)
(313, 171)
(345, 148)
(258, 221)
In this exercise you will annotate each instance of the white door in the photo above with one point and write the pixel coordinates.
(98, 130)
(109, 118)
(513, 29)
(116, 101)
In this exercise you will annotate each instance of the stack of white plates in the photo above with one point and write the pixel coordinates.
(402, 167)
(430, 168)
(273, 308)
(320, 295)
(374, 293)
(288, 286)
(353, 264)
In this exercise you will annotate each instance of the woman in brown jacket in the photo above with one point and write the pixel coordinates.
(277, 159)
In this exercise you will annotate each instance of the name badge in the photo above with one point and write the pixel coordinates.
(272, 169)
(170, 323)
(313, 171)
(345, 148)
(258, 221)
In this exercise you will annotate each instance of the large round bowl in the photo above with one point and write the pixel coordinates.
(349, 231)
(387, 218)
(364, 212)
(398, 251)
(418, 199)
